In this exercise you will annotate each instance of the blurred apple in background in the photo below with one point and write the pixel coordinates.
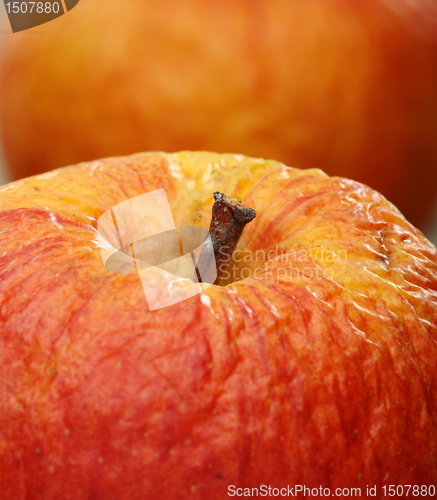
(348, 86)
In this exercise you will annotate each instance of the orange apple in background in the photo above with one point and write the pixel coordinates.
(318, 371)
(349, 86)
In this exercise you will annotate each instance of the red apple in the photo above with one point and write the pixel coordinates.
(318, 368)
(349, 86)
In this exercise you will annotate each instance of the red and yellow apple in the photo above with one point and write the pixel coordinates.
(317, 368)
(348, 86)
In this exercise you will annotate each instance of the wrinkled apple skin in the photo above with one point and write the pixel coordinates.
(311, 378)
(348, 86)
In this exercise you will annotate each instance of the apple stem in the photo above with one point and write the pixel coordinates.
(229, 218)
